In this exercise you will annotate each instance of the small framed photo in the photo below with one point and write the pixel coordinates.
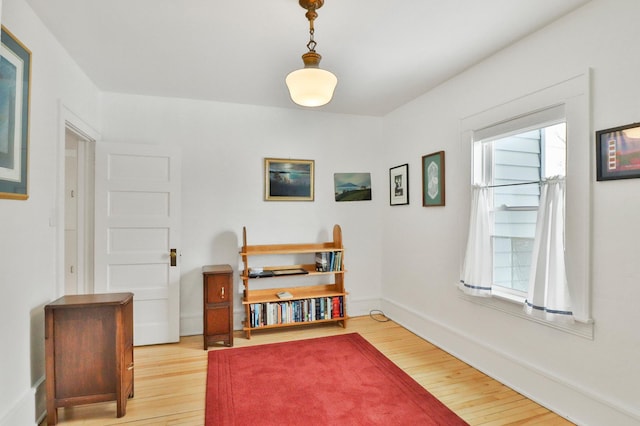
(618, 152)
(352, 186)
(433, 190)
(288, 180)
(399, 185)
(15, 86)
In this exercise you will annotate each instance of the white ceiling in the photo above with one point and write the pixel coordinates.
(384, 52)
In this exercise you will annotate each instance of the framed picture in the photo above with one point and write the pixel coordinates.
(288, 180)
(399, 185)
(433, 179)
(352, 186)
(15, 86)
(618, 152)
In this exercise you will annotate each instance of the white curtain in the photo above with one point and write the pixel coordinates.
(548, 295)
(478, 260)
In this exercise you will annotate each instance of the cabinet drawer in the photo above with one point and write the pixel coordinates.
(218, 289)
(218, 320)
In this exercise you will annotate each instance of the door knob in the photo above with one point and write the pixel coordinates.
(173, 254)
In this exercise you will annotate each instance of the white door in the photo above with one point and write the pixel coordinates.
(137, 229)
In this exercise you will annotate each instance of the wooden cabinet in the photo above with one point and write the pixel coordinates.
(298, 304)
(218, 305)
(89, 351)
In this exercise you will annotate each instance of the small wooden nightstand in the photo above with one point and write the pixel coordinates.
(218, 304)
(89, 351)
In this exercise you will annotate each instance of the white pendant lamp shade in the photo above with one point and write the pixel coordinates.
(311, 87)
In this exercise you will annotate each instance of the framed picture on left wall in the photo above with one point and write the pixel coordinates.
(288, 180)
(15, 86)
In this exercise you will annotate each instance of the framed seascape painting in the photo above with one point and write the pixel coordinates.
(15, 86)
(399, 185)
(618, 152)
(288, 180)
(352, 186)
(433, 179)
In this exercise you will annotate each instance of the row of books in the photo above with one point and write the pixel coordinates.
(292, 311)
(328, 261)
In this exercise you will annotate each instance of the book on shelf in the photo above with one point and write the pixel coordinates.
(328, 261)
(284, 295)
(322, 261)
(296, 311)
(335, 305)
(338, 263)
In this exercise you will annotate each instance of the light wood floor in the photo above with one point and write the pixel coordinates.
(170, 380)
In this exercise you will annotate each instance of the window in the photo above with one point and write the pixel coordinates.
(512, 166)
(496, 159)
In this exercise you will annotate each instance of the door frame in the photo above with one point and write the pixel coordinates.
(69, 120)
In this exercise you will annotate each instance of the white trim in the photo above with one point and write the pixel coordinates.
(21, 412)
(574, 94)
(191, 324)
(513, 306)
(528, 121)
(538, 100)
(362, 306)
(84, 210)
(66, 119)
(567, 399)
(40, 396)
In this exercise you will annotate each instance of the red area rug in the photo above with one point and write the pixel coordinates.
(338, 380)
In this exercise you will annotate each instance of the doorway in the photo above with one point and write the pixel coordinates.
(78, 212)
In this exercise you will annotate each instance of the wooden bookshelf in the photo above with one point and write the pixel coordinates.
(308, 304)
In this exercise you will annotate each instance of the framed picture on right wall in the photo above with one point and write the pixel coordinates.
(399, 185)
(618, 152)
(433, 190)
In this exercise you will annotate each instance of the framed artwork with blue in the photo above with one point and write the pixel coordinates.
(288, 180)
(15, 85)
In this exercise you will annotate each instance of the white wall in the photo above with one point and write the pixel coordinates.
(223, 150)
(409, 254)
(590, 381)
(28, 229)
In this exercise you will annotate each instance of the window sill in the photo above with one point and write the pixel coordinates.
(513, 305)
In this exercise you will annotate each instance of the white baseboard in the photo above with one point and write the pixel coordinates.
(21, 412)
(40, 395)
(360, 307)
(581, 406)
(191, 324)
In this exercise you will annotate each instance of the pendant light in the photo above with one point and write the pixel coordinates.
(311, 86)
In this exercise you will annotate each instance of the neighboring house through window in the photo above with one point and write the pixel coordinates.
(513, 166)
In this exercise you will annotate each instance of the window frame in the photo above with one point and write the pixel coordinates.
(573, 95)
(484, 170)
